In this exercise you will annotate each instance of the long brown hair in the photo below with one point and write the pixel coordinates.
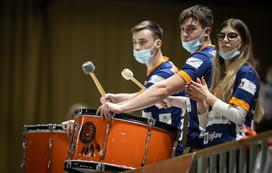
(224, 77)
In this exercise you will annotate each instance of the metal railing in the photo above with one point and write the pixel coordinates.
(249, 155)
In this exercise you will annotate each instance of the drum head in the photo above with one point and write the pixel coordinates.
(73, 166)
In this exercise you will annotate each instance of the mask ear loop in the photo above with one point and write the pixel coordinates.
(153, 51)
(202, 34)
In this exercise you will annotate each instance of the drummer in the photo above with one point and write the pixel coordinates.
(147, 39)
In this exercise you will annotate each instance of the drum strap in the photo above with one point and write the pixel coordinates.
(151, 123)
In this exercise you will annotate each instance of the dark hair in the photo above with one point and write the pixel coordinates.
(199, 13)
(152, 26)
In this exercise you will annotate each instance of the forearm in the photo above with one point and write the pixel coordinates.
(235, 114)
(148, 98)
(121, 97)
(202, 107)
(210, 99)
(155, 93)
(202, 118)
(178, 101)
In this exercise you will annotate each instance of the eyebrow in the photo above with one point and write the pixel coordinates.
(191, 25)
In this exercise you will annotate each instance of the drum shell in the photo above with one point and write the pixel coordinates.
(126, 140)
(45, 148)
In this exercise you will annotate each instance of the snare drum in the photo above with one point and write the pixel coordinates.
(45, 148)
(127, 141)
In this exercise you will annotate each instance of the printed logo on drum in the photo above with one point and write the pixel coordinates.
(87, 133)
(87, 136)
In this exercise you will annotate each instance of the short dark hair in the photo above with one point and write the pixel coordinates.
(199, 13)
(152, 26)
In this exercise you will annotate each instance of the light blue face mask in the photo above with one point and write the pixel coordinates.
(193, 45)
(144, 56)
(229, 55)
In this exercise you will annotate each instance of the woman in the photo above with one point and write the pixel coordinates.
(228, 108)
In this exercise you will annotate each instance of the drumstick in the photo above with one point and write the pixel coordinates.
(89, 68)
(128, 75)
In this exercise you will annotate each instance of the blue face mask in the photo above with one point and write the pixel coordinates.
(193, 45)
(144, 56)
(229, 55)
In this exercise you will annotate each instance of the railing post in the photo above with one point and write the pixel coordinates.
(252, 157)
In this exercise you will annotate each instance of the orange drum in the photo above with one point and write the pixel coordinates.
(126, 142)
(45, 148)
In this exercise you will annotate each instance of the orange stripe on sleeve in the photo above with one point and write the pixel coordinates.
(238, 102)
(185, 76)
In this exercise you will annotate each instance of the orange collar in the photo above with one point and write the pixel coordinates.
(165, 58)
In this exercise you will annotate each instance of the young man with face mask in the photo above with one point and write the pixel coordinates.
(195, 28)
(147, 41)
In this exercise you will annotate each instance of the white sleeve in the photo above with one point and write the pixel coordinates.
(202, 118)
(235, 114)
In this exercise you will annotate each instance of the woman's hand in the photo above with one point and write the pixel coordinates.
(198, 90)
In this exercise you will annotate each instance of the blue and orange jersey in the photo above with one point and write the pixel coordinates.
(172, 115)
(246, 88)
(197, 66)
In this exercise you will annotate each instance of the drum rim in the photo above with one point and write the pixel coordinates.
(43, 127)
(135, 119)
(114, 167)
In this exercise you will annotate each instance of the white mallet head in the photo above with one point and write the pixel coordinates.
(88, 67)
(127, 74)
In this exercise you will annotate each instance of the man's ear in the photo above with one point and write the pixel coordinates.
(208, 31)
(158, 43)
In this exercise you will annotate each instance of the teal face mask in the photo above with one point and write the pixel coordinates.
(144, 56)
(229, 55)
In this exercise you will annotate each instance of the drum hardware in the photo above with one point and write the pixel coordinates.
(79, 111)
(92, 166)
(151, 123)
(73, 140)
(24, 146)
(24, 152)
(52, 127)
(105, 140)
(50, 144)
(176, 144)
(100, 167)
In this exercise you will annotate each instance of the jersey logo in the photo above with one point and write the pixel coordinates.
(213, 53)
(147, 115)
(165, 118)
(194, 62)
(211, 136)
(155, 79)
(248, 86)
